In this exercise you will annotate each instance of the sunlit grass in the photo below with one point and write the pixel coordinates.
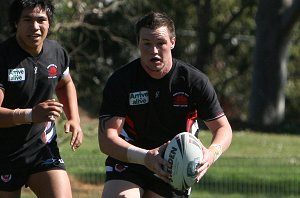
(256, 163)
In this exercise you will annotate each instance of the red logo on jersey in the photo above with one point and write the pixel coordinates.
(52, 71)
(180, 99)
(6, 178)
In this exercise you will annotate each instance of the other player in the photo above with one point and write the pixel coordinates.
(32, 69)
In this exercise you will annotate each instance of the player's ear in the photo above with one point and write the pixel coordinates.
(173, 41)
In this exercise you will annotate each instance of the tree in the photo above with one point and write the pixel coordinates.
(3, 19)
(224, 37)
(99, 36)
(217, 36)
(275, 21)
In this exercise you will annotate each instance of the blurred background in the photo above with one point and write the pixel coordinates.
(249, 49)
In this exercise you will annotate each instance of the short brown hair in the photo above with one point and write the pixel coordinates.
(154, 20)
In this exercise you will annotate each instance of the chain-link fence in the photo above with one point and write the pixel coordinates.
(272, 177)
(242, 177)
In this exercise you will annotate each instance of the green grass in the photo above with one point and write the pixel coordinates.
(259, 145)
(87, 162)
(260, 164)
(253, 160)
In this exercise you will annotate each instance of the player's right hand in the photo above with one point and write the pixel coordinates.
(48, 110)
(155, 162)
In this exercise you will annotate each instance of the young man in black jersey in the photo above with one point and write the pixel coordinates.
(145, 104)
(32, 69)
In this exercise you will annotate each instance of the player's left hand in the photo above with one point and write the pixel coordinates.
(207, 161)
(77, 134)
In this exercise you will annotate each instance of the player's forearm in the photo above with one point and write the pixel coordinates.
(14, 117)
(113, 146)
(6, 117)
(222, 137)
(220, 142)
(68, 97)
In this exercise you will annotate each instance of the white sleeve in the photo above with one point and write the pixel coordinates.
(66, 72)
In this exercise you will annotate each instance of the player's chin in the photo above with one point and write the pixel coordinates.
(156, 67)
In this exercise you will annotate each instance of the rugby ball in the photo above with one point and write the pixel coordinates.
(184, 154)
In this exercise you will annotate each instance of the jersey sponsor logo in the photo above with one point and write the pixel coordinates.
(138, 98)
(6, 178)
(180, 99)
(17, 74)
(52, 71)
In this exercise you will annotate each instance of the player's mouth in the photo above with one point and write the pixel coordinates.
(155, 60)
(34, 36)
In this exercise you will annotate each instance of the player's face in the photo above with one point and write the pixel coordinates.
(32, 29)
(155, 47)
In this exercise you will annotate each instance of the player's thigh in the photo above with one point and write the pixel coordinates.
(51, 183)
(121, 188)
(13, 194)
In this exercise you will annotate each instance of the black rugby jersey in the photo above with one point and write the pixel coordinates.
(158, 109)
(27, 81)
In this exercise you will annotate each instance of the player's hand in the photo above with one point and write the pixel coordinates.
(48, 110)
(155, 162)
(77, 134)
(207, 161)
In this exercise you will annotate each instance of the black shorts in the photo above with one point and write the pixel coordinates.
(141, 176)
(47, 159)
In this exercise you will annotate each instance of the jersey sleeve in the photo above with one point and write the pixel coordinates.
(115, 98)
(60, 54)
(3, 71)
(66, 63)
(206, 100)
(66, 72)
(2, 86)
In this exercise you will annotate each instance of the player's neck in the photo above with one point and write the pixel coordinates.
(34, 51)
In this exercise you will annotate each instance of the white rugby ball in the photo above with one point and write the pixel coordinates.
(184, 154)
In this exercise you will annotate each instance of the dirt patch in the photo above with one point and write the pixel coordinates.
(79, 189)
(84, 190)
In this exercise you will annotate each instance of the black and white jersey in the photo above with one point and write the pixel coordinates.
(158, 109)
(27, 81)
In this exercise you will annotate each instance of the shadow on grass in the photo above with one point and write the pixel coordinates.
(286, 127)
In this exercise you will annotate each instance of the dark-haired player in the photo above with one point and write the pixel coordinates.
(33, 69)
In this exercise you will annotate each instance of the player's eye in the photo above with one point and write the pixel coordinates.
(147, 43)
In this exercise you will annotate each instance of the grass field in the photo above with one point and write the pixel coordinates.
(260, 164)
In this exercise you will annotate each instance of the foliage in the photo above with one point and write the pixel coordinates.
(99, 35)
(230, 66)
(293, 83)
(100, 38)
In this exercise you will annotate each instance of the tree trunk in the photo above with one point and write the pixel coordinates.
(275, 20)
(203, 17)
(4, 4)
